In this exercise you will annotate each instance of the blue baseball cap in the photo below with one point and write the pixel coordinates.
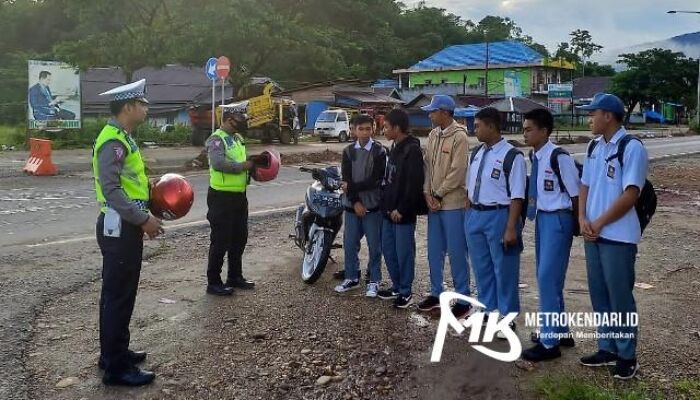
(605, 102)
(440, 102)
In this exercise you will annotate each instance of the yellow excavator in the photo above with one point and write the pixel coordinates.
(271, 119)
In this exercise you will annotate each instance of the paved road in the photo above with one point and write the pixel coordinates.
(47, 211)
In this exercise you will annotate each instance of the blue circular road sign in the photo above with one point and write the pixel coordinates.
(210, 69)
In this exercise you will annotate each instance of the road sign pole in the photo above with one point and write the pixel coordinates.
(223, 85)
(213, 106)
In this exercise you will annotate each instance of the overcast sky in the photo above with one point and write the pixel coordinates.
(612, 23)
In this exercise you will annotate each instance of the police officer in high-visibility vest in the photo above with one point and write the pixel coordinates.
(123, 193)
(229, 174)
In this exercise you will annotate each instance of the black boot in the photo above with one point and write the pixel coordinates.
(219, 290)
(240, 283)
(131, 377)
(135, 357)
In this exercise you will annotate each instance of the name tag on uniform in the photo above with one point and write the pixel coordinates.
(611, 171)
(548, 185)
(496, 173)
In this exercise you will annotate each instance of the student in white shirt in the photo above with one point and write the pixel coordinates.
(610, 188)
(493, 226)
(553, 204)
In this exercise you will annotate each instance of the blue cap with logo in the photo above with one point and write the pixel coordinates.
(440, 102)
(605, 102)
(135, 90)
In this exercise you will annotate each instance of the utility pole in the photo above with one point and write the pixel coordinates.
(486, 79)
(697, 100)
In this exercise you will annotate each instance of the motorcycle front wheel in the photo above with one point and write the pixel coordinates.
(318, 249)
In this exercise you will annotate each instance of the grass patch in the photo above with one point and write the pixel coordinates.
(13, 136)
(571, 388)
(688, 388)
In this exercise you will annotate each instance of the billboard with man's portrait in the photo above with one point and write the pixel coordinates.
(54, 96)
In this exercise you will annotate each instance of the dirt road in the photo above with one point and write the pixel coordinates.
(276, 342)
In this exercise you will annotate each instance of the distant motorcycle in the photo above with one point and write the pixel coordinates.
(318, 221)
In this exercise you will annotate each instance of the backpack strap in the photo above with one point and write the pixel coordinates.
(554, 163)
(591, 146)
(475, 150)
(508, 165)
(621, 148)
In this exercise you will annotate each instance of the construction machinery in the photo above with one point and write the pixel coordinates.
(271, 118)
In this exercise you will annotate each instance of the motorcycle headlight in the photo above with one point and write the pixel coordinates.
(332, 183)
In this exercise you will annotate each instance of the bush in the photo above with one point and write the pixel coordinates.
(13, 136)
(85, 137)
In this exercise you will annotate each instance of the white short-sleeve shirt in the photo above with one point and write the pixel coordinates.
(607, 180)
(493, 179)
(550, 195)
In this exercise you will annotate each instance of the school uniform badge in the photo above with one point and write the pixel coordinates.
(611, 171)
(548, 185)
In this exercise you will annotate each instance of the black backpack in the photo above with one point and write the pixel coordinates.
(554, 163)
(507, 168)
(646, 203)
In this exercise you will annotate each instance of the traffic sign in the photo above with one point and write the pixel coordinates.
(223, 67)
(210, 69)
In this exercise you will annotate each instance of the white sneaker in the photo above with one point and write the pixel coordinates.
(348, 285)
(501, 335)
(372, 289)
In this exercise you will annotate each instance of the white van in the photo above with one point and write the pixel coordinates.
(333, 124)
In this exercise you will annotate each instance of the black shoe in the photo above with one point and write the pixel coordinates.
(339, 275)
(403, 302)
(135, 357)
(132, 377)
(563, 342)
(387, 294)
(539, 353)
(567, 342)
(460, 310)
(429, 303)
(626, 369)
(240, 283)
(219, 290)
(600, 359)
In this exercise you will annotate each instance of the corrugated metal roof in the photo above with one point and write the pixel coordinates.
(518, 105)
(368, 98)
(508, 53)
(585, 88)
(171, 88)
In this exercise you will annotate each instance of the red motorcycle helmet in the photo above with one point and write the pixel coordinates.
(171, 197)
(267, 166)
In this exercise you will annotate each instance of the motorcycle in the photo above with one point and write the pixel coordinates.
(318, 221)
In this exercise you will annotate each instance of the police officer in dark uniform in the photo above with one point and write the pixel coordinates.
(123, 192)
(229, 175)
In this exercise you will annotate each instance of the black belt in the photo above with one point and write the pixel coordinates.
(562, 211)
(481, 207)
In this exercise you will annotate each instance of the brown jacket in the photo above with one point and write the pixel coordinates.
(446, 166)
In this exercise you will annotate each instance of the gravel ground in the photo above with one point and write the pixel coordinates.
(289, 340)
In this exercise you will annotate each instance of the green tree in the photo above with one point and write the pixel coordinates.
(130, 34)
(656, 75)
(595, 69)
(583, 46)
(564, 52)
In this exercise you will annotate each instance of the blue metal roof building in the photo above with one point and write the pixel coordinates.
(463, 56)
(514, 69)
